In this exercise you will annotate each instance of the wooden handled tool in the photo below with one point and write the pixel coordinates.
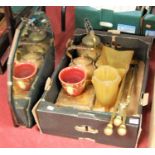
(123, 100)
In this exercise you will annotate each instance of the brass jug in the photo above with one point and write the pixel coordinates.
(93, 45)
(90, 45)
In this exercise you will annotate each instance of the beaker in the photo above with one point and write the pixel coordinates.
(106, 80)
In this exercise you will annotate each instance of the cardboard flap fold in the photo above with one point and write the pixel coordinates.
(48, 84)
(145, 99)
(34, 112)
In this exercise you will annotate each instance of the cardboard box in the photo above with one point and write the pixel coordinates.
(107, 19)
(128, 22)
(21, 106)
(148, 27)
(88, 124)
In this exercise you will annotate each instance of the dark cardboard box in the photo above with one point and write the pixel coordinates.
(106, 19)
(148, 26)
(128, 22)
(70, 122)
(21, 107)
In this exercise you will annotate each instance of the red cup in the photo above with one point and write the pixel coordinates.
(73, 80)
(23, 75)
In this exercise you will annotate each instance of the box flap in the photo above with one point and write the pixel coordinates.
(145, 99)
(34, 112)
(139, 131)
(48, 84)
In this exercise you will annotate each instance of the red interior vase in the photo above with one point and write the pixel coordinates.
(73, 80)
(23, 74)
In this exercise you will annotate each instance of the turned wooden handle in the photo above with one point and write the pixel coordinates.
(136, 92)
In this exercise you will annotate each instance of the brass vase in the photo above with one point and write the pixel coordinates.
(85, 63)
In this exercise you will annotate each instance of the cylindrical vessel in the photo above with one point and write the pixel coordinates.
(73, 80)
(106, 80)
(24, 74)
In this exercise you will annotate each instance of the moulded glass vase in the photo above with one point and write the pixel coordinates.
(106, 80)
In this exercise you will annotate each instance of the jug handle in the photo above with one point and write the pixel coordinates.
(75, 47)
(69, 54)
(69, 49)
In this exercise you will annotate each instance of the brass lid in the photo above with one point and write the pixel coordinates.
(37, 36)
(91, 40)
(82, 61)
(32, 56)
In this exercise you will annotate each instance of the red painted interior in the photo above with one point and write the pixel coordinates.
(72, 75)
(24, 70)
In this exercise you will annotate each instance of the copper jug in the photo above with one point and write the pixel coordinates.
(86, 63)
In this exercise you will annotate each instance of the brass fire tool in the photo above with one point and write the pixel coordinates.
(118, 117)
